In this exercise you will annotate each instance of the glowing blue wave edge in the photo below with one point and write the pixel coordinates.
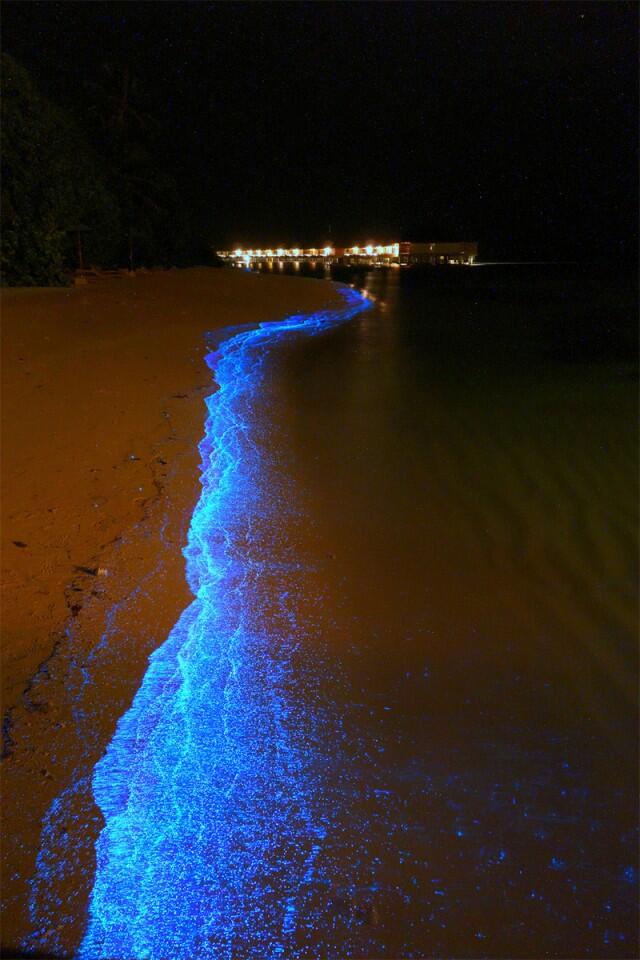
(208, 786)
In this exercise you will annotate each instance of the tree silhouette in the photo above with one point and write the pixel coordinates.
(52, 181)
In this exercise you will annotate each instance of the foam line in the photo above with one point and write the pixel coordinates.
(208, 789)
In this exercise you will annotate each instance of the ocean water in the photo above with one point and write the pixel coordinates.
(400, 718)
(467, 453)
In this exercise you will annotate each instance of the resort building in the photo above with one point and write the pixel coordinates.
(438, 253)
(376, 254)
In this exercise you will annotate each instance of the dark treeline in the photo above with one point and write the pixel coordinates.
(89, 190)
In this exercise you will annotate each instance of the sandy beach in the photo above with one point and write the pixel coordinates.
(319, 602)
(103, 389)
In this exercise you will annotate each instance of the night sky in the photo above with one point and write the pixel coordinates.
(514, 124)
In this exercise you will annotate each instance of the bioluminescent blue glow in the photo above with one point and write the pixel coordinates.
(208, 788)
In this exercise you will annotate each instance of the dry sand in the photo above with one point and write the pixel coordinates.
(103, 390)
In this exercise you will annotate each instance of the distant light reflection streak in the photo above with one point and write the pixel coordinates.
(206, 788)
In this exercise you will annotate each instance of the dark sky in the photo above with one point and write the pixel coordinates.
(511, 123)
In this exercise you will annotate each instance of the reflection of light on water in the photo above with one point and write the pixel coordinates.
(208, 787)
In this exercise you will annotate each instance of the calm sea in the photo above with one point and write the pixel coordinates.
(463, 460)
(399, 717)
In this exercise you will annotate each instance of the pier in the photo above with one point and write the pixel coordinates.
(395, 254)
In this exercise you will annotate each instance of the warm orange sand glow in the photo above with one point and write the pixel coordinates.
(103, 391)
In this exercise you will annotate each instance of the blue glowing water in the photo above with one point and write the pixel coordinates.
(209, 787)
(397, 721)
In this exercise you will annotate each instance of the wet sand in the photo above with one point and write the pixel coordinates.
(442, 646)
(103, 390)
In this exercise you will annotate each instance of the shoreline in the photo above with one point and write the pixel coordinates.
(198, 685)
(106, 524)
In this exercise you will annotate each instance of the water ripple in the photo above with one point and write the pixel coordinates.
(209, 786)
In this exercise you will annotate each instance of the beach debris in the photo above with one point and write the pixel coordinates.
(8, 743)
(18, 543)
(132, 456)
(103, 572)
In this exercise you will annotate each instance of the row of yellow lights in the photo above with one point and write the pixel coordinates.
(368, 251)
(392, 249)
(280, 252)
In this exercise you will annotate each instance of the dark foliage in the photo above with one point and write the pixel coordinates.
(98, 184)
(52, 183)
